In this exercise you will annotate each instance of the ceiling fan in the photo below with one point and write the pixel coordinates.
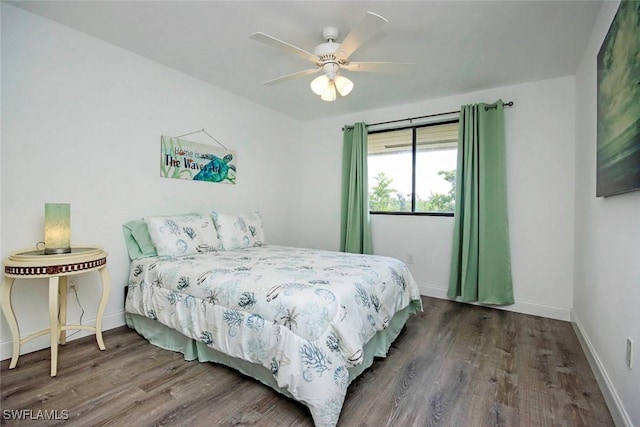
(331, 57)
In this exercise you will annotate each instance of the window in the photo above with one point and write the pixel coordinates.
(413, 170)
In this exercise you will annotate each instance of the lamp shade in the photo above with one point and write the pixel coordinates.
(330, 93)
(344, 85)
(320, 84)
(57, 228)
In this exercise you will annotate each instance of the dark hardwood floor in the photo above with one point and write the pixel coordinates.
(454, 365)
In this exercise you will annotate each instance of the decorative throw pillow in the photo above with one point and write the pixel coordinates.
(237, 231)
(138, 240)
(182, 234)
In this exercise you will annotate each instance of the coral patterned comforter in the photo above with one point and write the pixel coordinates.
(303, 314)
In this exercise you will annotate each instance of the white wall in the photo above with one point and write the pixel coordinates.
(540, 172)
(607, 267)
(82, 122)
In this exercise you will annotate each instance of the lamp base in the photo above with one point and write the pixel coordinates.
(53, 251)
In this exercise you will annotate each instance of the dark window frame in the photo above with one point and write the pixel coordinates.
(413, 169)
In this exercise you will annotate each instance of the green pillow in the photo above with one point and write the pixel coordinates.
(138, 240)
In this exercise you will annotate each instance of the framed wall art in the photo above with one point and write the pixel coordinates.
(618, 118)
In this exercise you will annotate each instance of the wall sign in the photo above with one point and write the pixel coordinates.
(184, 159)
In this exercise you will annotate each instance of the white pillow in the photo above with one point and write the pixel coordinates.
(183, 234)
(237, 231)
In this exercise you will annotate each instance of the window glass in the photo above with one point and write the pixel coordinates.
(436, 160)
(390, 164)
(392, 177)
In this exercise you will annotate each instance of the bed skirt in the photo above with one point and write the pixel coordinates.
(164, 337)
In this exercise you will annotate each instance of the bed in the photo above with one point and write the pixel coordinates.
(305, 322)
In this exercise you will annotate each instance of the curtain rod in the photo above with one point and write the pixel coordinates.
(410, 119)
(492, 106)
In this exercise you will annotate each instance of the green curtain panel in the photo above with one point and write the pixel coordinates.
(481, 261)
(355, 227)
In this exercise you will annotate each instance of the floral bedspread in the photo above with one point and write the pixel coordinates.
(304, 314)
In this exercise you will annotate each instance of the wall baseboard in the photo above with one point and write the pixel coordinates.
(616, 407)
(108, 322)
(524, 307)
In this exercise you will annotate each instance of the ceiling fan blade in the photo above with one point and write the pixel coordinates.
(274, 42)
(367, 27)
(376, 67)
(292, 76)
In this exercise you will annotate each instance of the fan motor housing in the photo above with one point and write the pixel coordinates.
(326, 51)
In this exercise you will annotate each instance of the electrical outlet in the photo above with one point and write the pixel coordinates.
(71, 281)
(410, 259)
(629, 353)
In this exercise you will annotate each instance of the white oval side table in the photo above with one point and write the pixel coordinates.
(32, 263)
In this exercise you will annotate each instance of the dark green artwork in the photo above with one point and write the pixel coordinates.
(618, 157)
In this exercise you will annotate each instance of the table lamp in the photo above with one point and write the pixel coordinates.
(57, 228)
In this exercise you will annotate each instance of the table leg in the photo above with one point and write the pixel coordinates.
(63, 308)
(106, 288)
(54, 325)
(7, 309)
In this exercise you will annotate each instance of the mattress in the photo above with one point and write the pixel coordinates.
(305, 316)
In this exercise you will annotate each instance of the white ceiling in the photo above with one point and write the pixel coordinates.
(456, 46)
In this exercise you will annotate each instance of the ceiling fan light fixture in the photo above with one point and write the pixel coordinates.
(320, 84)
(330, 93)
(343, 85)
(332, 56)
(326, 87)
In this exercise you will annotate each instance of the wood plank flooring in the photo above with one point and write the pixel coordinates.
(453, 365)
